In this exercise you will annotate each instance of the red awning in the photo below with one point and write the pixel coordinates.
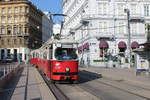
(134, 45)
(86, 46)
(103, 44)
(122, 44)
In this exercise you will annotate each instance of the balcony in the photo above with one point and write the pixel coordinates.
(17, 34)
(107, 36)
(97, 16)
(136, 18)
(22, 34)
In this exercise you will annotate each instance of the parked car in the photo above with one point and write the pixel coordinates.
(7, 60)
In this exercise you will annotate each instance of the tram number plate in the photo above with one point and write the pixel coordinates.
(67, 78)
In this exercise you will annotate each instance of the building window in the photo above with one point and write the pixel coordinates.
(3, 11)
(121, 28)
(146, 10)
(16, 19)
(15, 30)
(103, 27)
(22, 9)
(133, 9)
(8, 41)
(21, 18)
(9, 30)
(121, 9)
(2, 30)
(9, 19)
(2, 42)
(26, 9)
(26, 29)
(102, 8)
(15, 41)
(134, 28)
(9, 10)
(3, 19)
(16, 10)
(21, 29)
(21, 41)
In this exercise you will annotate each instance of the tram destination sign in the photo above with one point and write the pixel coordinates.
(67, 46)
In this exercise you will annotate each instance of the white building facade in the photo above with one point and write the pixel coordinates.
(47, 26)
(101, 28)
(56, 28)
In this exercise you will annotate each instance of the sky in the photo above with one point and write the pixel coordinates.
(54, 6)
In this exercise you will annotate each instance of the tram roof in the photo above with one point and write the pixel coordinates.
(55, 41)
(64, 40)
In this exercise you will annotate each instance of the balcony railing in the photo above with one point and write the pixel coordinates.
(16, 34)
(134, 17)
(97, 16)
(104, 36)
(137, 18)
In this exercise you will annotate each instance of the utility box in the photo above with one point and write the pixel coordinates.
(141, 63)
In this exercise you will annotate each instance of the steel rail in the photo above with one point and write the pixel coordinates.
(58, 93)
(84, 72)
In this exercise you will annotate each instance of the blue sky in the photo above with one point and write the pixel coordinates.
(54, 6)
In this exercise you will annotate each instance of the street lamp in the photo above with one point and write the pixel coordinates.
(129, 34)
(84, 23)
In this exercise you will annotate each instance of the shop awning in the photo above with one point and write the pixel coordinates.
(103, 44)
(122, 44)
(86, 46)
(134, 45)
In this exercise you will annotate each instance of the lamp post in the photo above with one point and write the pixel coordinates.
(84, 23)
(129, 35)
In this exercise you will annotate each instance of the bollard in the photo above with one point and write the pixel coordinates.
(4, 71)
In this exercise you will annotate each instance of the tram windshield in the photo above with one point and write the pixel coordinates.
(65, 54)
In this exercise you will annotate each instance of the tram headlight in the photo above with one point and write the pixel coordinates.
(67, 69)
(57, 64)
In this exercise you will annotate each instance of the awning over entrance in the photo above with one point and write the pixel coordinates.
(103, 45)
(86, 46)
(134, 45)
(122, 44)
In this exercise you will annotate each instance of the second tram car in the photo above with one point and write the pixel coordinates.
(57, 60)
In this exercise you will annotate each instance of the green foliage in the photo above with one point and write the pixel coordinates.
(103, 60)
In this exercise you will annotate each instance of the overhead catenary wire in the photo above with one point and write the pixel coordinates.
(97, 28)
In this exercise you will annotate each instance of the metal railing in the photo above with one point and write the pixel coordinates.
(7, 68)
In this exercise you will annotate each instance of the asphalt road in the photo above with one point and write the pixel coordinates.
(93, 86)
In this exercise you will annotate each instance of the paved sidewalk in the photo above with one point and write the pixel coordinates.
(125, 74)
(31, 86)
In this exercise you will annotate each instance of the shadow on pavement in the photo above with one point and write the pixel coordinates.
(86, 76)
(7, 91)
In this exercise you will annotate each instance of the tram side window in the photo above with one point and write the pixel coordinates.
(37, 55)
(65, 54)
(45, 55)
(50, 53)
(33, 55)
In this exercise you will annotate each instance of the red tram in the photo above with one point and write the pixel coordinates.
(57, 60)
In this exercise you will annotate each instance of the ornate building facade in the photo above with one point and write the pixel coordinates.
(20, 28)
(101, 28)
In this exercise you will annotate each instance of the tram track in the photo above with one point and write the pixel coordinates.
(125, 82)
(117, 85)
(57, 92)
